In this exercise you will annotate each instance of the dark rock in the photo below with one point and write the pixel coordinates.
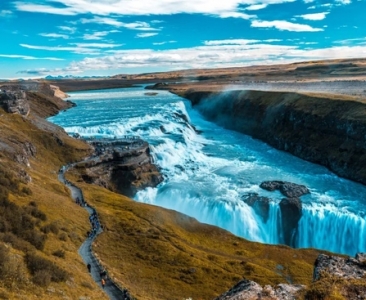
(181, 116)
(151, 93)
(288, 189)
(271, 185)
(260, 204)
(291, 212)
(162, 128)
(71, 104)
(293, 190)
(157, 86)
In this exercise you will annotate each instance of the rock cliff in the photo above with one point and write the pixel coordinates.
(121, 165)
(328, 130)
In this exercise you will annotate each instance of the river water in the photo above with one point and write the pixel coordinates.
(208, 170)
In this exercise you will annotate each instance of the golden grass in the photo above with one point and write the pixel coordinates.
(161, 254)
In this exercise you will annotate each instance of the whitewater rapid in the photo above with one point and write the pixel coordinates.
(207, 170)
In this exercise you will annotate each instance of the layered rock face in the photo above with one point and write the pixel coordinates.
(328, 131)
(122, 165)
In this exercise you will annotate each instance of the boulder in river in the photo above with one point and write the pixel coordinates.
(288, 189)
(260, 204)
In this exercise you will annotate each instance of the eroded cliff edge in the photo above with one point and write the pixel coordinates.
(122, 165)
(325, 129)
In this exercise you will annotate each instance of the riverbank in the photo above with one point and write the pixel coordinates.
(323, 128)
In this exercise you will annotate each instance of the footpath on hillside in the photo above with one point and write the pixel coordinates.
(85, 251)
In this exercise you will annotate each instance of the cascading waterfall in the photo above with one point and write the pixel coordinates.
(206, 174)
(331, 229)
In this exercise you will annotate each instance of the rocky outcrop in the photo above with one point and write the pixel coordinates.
(288, 189)
(324, 130)
(291, 212)
(14, 102)
(122, 165)
(28, 150)
(260, 204)
(343, 267)
(345, 275)
(250, 290)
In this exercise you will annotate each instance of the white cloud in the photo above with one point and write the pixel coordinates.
(96, 45)
(55, 35)
(359, 41)
(99, 35)
(163, 43)
(314, 17)
(207, 56)
(284, 25)
(71, 30)
(344, 2)
(145, 35)
(237, 15)
(142, 26)
(146, 7)
(230, 42)
(78, 48)
(28, 57)
(23, 6)
(6, 13)
(256, 6)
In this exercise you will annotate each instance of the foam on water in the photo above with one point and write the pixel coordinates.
(207, 174)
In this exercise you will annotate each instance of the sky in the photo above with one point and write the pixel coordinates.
(108, 37)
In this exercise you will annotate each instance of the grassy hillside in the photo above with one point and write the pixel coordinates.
(40, 227)
(161, 254)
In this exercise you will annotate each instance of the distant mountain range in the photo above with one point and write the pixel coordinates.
(59, 77)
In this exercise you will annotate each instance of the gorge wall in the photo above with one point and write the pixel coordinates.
(325, 130)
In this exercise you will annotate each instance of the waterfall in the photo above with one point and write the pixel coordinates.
(207, 174)
(324, 227)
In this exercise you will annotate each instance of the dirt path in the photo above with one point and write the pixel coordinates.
(111, 289)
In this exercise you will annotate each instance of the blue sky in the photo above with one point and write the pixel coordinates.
(107, 37)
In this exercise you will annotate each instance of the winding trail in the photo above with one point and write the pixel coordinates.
(110, 288)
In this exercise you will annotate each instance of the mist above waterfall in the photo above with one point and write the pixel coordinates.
(207, 174)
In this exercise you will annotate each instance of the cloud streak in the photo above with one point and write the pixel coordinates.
(146, 35)
(26, 57)
(55, 35)
(314, 17)
(285, 25)
(224, 9)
